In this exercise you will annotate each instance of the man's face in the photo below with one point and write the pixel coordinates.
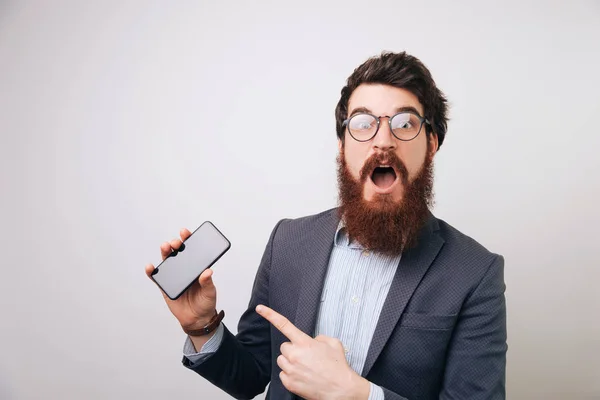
(386, 184)
(382, 100)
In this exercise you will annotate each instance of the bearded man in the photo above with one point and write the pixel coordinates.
(377, 298)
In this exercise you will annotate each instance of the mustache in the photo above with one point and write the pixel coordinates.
(388, 158)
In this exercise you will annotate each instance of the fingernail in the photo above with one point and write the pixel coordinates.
(259, 308)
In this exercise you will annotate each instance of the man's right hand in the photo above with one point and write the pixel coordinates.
(196, 306)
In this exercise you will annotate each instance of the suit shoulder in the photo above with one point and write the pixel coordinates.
(462, 247)
(308, 221)
(293, 229)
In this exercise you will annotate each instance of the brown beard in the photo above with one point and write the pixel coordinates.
(381, 224)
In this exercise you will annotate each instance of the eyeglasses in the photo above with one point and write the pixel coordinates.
(405, 125)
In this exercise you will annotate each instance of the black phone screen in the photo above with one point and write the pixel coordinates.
(201, 250)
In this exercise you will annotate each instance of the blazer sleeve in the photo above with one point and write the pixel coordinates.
(476, 361)
(242, 364)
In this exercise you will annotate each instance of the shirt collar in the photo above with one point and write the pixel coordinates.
(341, 237)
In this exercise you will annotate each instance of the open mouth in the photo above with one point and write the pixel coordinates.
(383, 177)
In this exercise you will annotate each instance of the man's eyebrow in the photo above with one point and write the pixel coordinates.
(360, 110)
(407, 108)
(398, 109)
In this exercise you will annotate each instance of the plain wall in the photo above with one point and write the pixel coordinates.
(123, 121)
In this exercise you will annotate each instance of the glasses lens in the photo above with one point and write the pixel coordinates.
(405, 126)
(362, 126)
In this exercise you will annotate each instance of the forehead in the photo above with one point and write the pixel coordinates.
(382, 99)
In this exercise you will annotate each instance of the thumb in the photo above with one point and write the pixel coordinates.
(206, 281)
(330, 341)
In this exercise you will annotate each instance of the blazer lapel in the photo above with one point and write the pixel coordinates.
(315, 258)
(413, 266)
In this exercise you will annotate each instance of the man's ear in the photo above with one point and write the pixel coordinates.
(340, 144)
(433, 144)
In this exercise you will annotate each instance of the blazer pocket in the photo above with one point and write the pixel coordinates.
(427, 321)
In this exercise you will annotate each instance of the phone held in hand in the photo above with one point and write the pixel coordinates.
(182, 268)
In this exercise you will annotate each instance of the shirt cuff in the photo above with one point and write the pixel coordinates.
(211, 346)
(376, 392)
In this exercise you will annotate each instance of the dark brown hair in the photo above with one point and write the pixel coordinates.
(403, 71)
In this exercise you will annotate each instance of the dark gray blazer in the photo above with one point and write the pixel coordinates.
(441, 333)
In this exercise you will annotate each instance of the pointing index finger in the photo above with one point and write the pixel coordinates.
(282, 324)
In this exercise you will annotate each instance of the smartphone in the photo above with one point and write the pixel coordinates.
(182, 268)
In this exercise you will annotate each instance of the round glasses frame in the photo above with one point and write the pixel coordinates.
(422, 121)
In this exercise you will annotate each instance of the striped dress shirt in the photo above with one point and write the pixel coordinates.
(356, 286)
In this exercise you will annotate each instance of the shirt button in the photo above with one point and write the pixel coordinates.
(366, 253)
(346, 350)
(355, 299)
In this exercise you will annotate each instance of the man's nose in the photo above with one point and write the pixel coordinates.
(385, 139)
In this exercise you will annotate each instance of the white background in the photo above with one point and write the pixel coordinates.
(122, 122)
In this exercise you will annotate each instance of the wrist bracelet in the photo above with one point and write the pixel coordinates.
(208, 328)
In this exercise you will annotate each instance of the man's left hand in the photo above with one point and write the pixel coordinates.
(314, 368)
